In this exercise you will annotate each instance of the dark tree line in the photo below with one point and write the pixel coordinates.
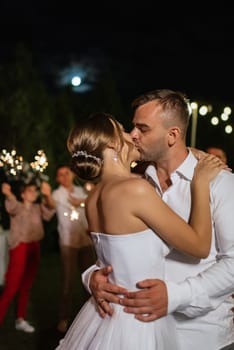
(35, 117)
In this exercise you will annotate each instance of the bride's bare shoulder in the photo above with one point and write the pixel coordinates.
(136, 184)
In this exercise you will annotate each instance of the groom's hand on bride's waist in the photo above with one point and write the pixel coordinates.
(148, 304)
(105, 292)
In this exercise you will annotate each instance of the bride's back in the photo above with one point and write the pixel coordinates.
(110, 206)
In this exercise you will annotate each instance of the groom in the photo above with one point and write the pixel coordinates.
(197, 292)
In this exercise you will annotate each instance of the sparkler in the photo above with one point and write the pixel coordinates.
(15, 168)
(40, 163)
(11, 163)
(73, 215)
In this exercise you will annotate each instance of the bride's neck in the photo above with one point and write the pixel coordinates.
(117, 169)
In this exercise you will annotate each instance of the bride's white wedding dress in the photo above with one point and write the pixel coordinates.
(134, 257)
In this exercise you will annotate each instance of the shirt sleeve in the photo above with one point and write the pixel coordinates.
(47, 213)
(86, 275)
(197, 295)
(12, 206)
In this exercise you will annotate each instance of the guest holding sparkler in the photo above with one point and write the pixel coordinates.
(76, 247)
(26, 232)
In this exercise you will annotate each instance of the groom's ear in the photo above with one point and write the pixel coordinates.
(174, 134)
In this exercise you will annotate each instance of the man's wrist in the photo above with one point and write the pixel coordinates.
(179, 296)
(86, 276)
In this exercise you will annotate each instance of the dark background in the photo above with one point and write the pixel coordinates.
(140, 46)
(147, 46)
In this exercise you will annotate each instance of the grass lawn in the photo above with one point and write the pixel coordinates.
(42, 310)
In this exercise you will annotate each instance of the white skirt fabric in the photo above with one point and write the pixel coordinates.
(120, 332)
(134, 257)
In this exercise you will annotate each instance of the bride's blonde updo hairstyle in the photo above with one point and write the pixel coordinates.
(86, 143)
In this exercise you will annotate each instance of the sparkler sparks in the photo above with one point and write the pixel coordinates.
(73, 215)
(40, 162)
(16, 169)
(11, 162)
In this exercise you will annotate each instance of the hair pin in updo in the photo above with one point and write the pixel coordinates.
(86, 155)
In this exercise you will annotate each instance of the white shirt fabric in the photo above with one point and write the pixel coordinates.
(72, 231)
(199, 291)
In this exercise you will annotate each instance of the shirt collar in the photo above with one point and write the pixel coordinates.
(185, 169)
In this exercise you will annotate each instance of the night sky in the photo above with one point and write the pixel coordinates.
(144, 46)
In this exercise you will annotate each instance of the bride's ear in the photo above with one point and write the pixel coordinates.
(112, 143)
(114, 149)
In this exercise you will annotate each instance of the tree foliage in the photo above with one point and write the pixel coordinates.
(33, 117)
